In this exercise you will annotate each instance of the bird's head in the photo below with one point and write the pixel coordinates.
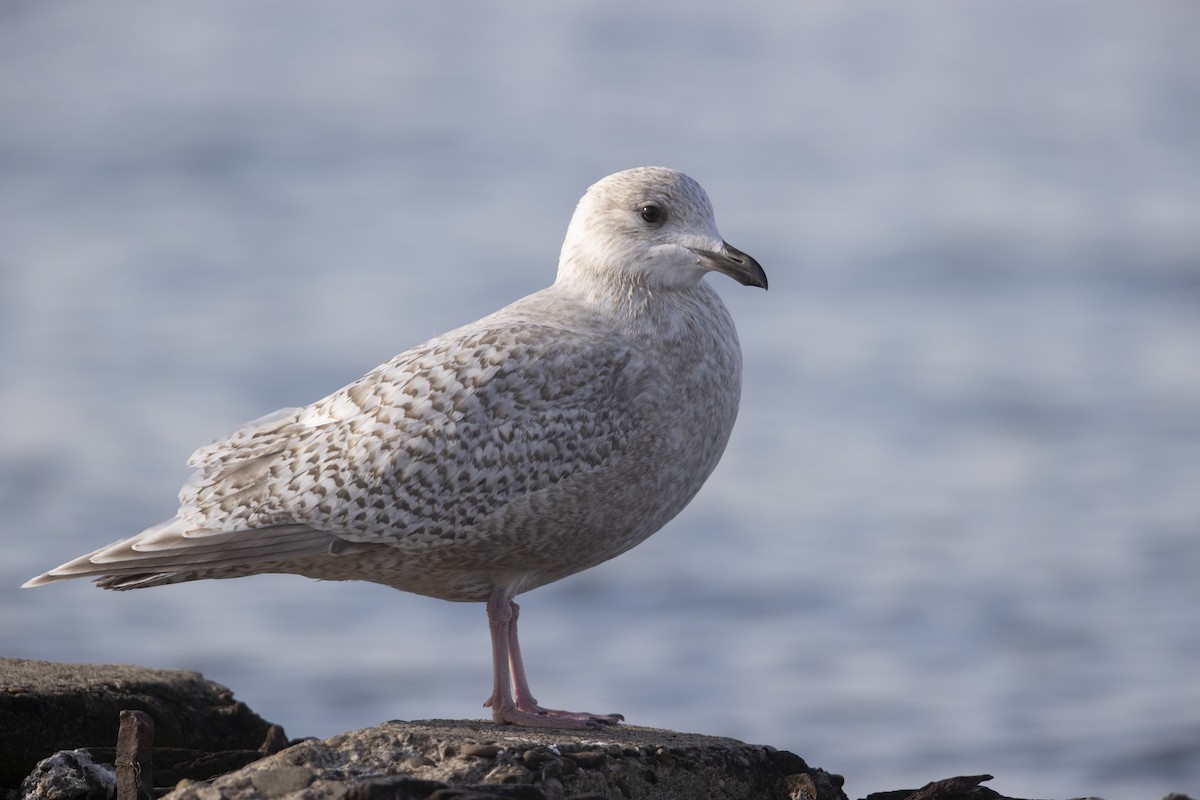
(653, 227)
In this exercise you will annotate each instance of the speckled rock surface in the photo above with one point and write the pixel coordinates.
(399, 760)
(69, 775)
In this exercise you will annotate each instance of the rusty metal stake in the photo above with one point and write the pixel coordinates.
(135, 771)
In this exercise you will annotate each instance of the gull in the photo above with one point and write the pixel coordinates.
(536, 442)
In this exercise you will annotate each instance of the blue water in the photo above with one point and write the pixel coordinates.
(958, 527)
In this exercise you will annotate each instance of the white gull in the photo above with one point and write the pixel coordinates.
(541, 440)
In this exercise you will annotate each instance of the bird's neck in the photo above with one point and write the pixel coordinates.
(628, 301)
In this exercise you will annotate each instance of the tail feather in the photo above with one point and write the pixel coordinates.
(168, 552)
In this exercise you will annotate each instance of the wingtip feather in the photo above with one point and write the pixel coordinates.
(40, 580)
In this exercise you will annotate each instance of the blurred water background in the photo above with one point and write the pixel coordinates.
(958, 527)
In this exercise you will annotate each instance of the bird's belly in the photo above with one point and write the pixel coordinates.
(589, 514)
(579, 522)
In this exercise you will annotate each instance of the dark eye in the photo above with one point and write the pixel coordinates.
(652, 213)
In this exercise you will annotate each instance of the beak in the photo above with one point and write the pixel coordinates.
(734, 263)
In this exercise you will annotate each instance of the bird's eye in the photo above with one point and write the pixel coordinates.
(652, 213)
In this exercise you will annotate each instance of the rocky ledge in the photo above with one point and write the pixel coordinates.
(46, 707)
(185, 738)
(403, 760)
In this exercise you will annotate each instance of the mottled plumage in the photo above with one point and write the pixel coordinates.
(534, 443)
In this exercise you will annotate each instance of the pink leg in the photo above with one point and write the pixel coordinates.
(508, 674)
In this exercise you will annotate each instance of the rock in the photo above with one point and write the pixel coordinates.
(962, 787)
(69, 775)
(47, 707)
(451, 758)
(208, 746)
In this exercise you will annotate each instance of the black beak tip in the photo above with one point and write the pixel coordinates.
(752, 273)
(749, 272)
(728, 260)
